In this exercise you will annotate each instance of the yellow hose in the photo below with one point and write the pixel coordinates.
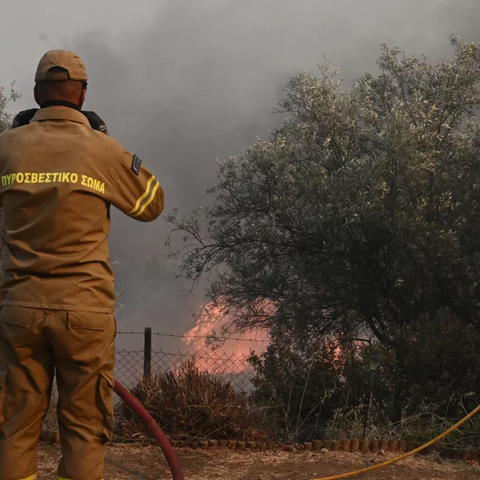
(409, 454)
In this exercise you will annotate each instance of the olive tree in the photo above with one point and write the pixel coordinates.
(5, 98)
(361, 212)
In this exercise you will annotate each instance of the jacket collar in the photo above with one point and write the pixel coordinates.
(55, 113)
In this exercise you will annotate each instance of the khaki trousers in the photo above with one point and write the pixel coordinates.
(79, 348)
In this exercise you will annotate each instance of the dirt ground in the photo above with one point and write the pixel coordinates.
(126, 462)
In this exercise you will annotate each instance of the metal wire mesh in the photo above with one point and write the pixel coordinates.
(129, 367)
(232, 368)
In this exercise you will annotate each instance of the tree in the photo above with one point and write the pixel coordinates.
(5, 118)
(360, 213)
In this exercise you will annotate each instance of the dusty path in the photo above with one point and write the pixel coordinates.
(147, 463)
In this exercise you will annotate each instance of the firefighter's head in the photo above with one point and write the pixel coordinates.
(61, 79)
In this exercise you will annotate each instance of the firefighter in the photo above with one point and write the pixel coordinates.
(59, 178)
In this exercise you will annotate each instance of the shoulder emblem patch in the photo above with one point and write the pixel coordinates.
(136, 162)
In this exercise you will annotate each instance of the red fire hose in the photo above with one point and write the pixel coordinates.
(155, 430)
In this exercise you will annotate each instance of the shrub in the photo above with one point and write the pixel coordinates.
(189, 403)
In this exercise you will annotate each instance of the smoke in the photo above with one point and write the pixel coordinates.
(198, 83)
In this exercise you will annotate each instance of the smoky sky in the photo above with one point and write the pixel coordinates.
(197, 82)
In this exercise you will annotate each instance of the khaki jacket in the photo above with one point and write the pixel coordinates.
(58, 178)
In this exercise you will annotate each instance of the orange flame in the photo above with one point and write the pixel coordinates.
(209, 323)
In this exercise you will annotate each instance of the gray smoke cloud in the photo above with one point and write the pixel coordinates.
(199, 83)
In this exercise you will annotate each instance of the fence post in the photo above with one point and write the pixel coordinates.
(147, 354)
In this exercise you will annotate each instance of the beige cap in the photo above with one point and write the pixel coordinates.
(72, 63)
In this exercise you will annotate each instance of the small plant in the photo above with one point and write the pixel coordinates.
(189, 403)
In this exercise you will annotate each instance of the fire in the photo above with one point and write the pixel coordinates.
(232, 353)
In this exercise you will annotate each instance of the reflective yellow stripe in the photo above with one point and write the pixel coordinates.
(139, 201)
(149, 201)
(33, 477)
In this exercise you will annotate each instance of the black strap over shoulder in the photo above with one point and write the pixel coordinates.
(24, 118)
(96, 122)
(60, 103)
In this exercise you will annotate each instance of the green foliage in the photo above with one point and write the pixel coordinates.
(321, 389)
(5, 118)
(437, 370)
(361, 212)
(359, 215)
(302, 388)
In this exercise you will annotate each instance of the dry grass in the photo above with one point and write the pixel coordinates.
(147, 463)
(190, 404)
(51, 423)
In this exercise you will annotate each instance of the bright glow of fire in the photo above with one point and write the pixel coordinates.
(210, 322)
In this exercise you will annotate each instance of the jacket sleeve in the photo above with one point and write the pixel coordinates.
(136, 191)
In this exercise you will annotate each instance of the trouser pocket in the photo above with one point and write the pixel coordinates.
(105, 404)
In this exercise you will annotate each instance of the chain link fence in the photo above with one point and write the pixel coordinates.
(132, 366)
